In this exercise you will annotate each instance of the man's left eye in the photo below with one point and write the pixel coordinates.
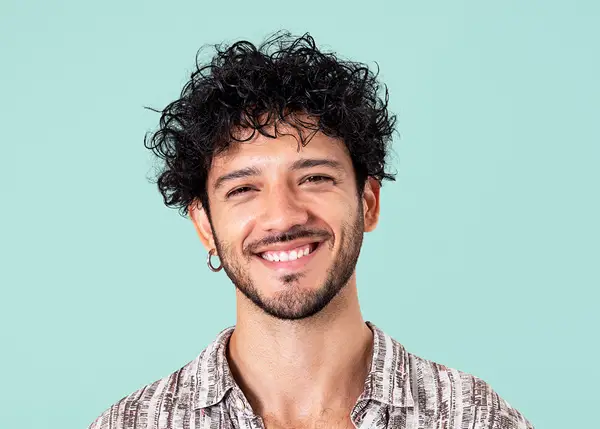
(317, 179)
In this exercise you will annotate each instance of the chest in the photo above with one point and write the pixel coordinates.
(325, 422)
(372, 417)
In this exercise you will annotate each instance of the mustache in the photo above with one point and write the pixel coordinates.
(290, 235)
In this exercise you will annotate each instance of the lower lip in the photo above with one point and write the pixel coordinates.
(290, 265)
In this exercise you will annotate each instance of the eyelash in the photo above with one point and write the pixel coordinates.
(321, 178)
(307, 179)
(237, 191)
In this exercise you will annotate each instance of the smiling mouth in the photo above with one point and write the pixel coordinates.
(291, 255)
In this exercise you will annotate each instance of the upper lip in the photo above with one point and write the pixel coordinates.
(287, 245)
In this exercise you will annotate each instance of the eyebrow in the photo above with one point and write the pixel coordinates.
(300, 164)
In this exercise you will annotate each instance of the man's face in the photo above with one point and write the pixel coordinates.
(287, 224)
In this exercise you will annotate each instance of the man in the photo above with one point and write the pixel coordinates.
(277, 154)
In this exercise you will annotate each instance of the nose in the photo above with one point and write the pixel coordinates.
(282, 210)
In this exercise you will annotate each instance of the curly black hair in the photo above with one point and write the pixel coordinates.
(284, 79)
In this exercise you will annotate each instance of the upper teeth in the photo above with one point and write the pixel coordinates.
(291, 255)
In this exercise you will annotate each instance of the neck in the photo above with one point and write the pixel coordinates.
(294, 370)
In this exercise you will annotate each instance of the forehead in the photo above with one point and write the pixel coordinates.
(282, 150)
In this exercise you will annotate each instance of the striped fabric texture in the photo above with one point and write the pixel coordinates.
(401, 391)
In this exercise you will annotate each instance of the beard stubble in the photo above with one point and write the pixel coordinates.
(294, 302)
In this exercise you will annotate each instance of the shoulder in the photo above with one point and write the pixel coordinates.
(447, 393)
(144, 407)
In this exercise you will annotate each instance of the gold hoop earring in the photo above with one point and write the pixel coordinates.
(212, 252)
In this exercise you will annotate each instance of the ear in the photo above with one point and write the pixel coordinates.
(202, 224)
(370, 201)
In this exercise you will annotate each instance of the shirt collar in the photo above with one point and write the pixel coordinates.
(388, 380)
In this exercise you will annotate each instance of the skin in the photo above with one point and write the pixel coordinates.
(301, 350)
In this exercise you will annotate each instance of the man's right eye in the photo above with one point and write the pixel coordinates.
(238, 191)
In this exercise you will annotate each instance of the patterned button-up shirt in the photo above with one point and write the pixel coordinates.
(401, 391)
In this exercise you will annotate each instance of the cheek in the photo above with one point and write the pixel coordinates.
(232, 225)
(336, 211)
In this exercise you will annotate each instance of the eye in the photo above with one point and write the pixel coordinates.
(239, 191)
(318, 179)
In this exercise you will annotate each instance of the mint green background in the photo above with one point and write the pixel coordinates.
(491, 228)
